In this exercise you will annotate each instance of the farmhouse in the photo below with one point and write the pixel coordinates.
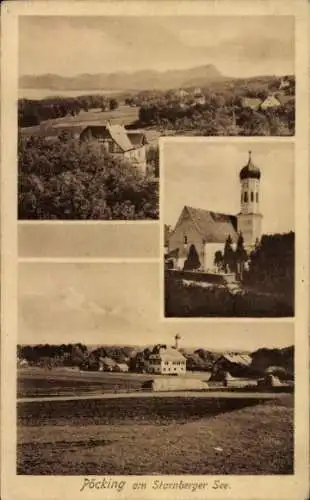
(253, 103)
(207, 231)
(106, 364)
(271, 101)
(167, 361)
(119, 142)
(284, 84)
(233, 369)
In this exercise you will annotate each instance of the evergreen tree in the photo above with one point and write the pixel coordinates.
(228, 258)
(192, 261)
(240, 256)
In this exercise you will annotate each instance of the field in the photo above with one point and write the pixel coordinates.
(217, 433)
(124, 115)
(156, 436)
(40, 382)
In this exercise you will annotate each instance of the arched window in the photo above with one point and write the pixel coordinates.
(245, 196)
(252, 196)
(256, 197)
(185, 240)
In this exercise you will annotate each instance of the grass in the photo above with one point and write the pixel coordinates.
(33, 382)
(156, 436)
(124, 115)
(41, 382)
(193, 300)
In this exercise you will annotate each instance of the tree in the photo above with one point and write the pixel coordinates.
(67, 179)
(241, 256)
(218, 259)
(271, 266)
(228, 258)
(113, 104)
(192, 262)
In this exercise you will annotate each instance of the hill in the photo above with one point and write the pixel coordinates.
(140, 80)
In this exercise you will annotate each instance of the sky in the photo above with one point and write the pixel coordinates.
(119, 304)
(237, 46)
(205, 175)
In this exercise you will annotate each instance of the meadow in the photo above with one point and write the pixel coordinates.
(58, 382)
(123, 115)
(183, 435)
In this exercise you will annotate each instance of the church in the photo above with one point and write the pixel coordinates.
(208, 231)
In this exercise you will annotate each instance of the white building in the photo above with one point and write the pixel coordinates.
(167, 361)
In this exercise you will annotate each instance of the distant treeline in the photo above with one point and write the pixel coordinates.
(31, 112)
(83, 357)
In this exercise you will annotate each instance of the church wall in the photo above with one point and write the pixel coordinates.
(210, 249)
(186, 231)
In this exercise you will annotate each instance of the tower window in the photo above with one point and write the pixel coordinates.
(256, 197)
(185, 240)
(245, 197)
(252, 196)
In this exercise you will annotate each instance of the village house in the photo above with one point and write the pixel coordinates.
(207, 231)
(167, 360)
(253, 103)
(121, 367)
(271, 101)
(119, 142)
(284, 84)
(106, 364)
(234, 370)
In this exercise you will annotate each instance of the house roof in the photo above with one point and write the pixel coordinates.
(251, 102)
(167, 354)
(239, 359)
(271, 100)
(107, 361)
(214, 227)
(124, 139)
(119, 135)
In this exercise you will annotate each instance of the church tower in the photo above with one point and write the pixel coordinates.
(250, 218)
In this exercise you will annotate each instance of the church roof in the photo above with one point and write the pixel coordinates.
(213, 226)
(250, 171)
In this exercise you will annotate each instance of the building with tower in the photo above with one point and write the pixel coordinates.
(249, 220)
(204, 232)
(167, 360)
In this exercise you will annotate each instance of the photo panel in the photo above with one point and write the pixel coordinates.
(228, 228)
(104, 388)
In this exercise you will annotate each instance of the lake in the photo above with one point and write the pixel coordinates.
(43, 93)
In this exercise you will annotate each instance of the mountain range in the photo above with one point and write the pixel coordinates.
(139, 80)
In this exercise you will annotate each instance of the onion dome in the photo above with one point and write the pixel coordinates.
(250, 171)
